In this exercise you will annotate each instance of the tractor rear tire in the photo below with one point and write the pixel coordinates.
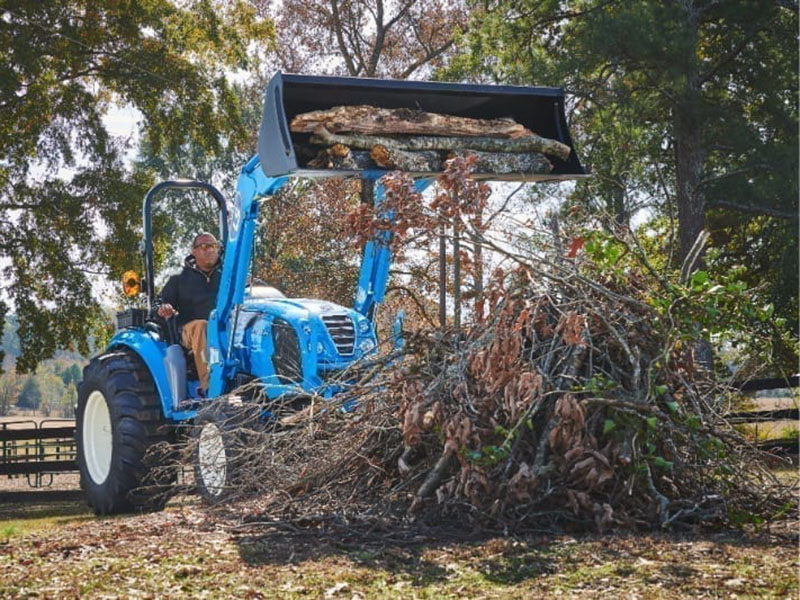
(120, 432)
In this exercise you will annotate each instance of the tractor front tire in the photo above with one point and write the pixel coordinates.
(119, 431)
(224, 437)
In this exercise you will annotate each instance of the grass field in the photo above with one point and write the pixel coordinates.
(53, 547)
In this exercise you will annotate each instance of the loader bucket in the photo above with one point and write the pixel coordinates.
(539, 109)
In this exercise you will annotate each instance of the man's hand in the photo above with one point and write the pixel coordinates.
(165, 311)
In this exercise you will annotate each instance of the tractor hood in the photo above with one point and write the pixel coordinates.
(299, 339)
(298, 308)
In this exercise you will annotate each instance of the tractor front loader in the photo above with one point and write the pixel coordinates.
(134, 394)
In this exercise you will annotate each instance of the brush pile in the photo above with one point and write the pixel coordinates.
(572, 398)
(560, 407)
(363, 137)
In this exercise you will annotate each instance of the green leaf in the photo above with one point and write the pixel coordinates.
(699, 278)
(692, 421)
(608, 426)
(652, 422)
(673, 406)
(658, 461)
(661, 389)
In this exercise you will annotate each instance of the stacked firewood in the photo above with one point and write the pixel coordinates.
(362, 137)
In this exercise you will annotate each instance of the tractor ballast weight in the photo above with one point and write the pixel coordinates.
(540, 109)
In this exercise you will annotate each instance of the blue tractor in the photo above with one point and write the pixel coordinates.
(137, 391)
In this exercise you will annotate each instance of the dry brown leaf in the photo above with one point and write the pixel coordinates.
(571, 326)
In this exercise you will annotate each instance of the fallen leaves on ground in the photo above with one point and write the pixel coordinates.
(186, 552)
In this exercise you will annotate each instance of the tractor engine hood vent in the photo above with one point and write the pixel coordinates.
(284, 150)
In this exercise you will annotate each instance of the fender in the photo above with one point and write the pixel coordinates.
(152, 352)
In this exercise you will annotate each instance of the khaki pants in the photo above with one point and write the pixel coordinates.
(194, 337)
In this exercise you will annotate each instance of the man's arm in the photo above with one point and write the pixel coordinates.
(168, 298)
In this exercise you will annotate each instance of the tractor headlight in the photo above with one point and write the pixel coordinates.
(363, 326)
(366, 345)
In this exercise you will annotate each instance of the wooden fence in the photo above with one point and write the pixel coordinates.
(763, 416)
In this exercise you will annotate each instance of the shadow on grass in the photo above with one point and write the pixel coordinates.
(405, 551)
(28, 510)
(418, 554)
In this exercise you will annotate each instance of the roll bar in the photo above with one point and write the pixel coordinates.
(147, 217)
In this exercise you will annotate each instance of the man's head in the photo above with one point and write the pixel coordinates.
(205, 250)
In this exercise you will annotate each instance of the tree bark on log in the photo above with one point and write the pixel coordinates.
(371, 120)
(530, 143)
(434, 479)
(392, 158)
(507, 162)
(341, 157)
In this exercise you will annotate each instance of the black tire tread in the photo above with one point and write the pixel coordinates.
(136, 413)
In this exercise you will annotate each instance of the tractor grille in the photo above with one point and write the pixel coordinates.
(286, 358)
(342, 332)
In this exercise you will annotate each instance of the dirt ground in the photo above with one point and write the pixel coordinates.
(52, 547)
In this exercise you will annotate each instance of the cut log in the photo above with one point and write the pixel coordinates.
(389, 121)
(508, 162)
(341, 157)
(392, 158)
(531, 143)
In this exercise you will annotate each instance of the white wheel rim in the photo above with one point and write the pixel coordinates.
(211, 459)
(98, 440)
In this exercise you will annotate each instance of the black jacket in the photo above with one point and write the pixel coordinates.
(192, 293)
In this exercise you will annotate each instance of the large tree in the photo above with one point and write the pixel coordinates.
(691, 102)
(364, 38)
(68, 205)
(303, 247)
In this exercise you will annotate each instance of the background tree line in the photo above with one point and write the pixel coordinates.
(51, 391)
(684, 110)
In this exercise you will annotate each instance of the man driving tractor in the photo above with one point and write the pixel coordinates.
(191, 295)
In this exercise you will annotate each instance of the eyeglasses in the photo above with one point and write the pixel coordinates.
(207, 247)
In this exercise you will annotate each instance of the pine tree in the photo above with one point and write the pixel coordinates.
(31, 394)
(690, 106)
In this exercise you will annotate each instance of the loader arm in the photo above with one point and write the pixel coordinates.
(251, 187)
(376, 260)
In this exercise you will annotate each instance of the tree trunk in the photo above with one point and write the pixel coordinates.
(372, 120)
(689, 159)
(690, 156)
(530, 143)
(341, 157)
(617, 207)
(507, 162)
(392, 158)
(689, 151)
